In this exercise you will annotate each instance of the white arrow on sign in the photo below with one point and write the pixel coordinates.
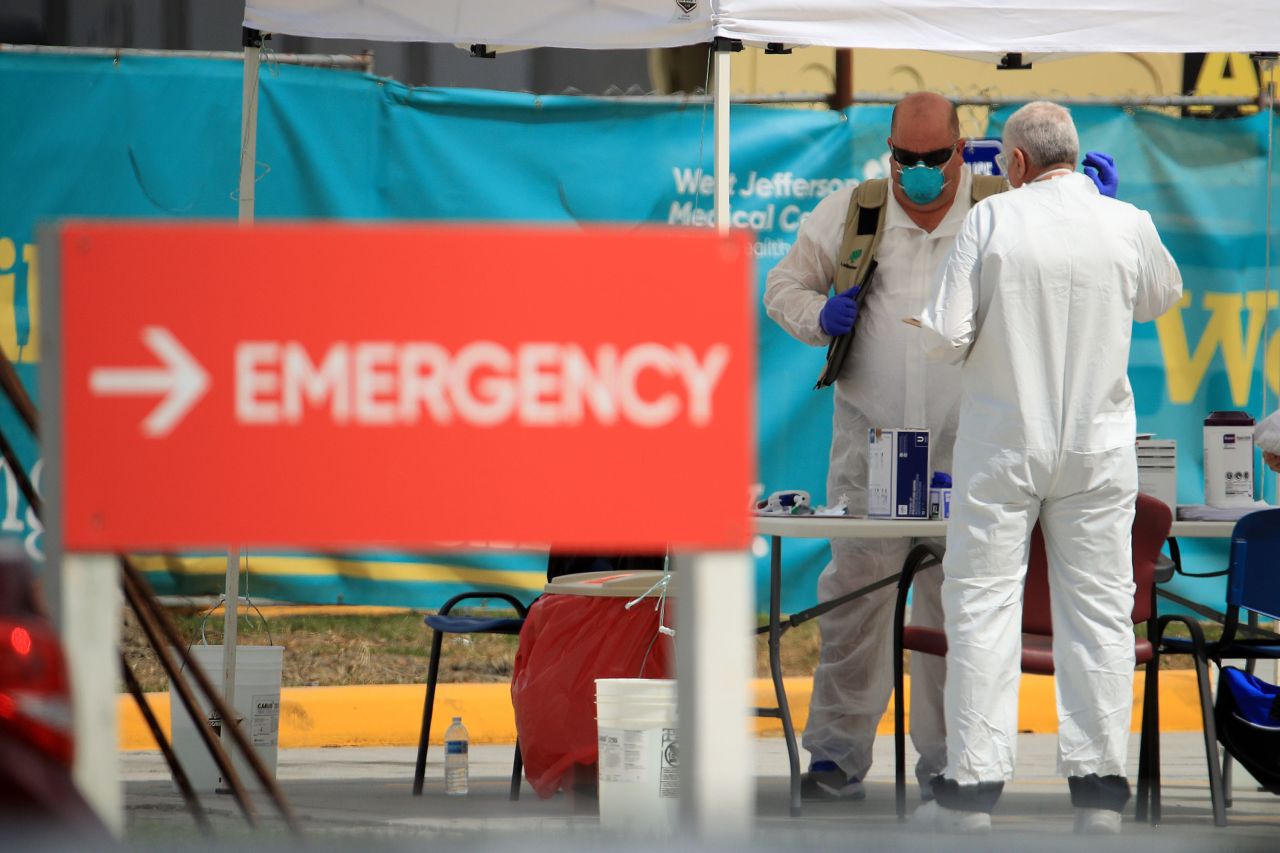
(181, 379)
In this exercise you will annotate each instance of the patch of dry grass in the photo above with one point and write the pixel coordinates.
(336, 650)
(394, 649)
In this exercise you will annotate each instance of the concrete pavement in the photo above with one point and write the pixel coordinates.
(349, 796)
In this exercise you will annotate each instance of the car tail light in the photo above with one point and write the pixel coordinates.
(35, 696)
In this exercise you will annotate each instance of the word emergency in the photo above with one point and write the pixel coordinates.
(483, 383)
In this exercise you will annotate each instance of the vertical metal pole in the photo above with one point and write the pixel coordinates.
(81, 591)
(842, 95)
(715, 660)
(50, 384)
(252, 40)
(721, 122)
(91, 636)
(714, 629)
(229, 625)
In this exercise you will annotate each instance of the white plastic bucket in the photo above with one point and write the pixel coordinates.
(257, 704)
(639, 755)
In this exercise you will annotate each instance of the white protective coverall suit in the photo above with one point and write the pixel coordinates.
(1038, 300)
(886, 382)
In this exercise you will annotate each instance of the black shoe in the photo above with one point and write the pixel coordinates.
(826, 781)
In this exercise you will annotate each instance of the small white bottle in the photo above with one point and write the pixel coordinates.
(455, 759)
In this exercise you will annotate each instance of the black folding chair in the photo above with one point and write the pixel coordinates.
(442, 623)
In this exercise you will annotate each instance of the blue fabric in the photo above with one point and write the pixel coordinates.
(1256, 700)
(473, 624)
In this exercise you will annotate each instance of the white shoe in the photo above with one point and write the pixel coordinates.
(932, 817)
(1097, 822)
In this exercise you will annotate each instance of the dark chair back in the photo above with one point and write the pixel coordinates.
(1151, 523)
(1253, 579)
(1036, 613)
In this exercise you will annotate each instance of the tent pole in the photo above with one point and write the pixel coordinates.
(721, 125)
(715, 654)
(252, 40)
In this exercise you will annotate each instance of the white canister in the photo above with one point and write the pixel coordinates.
(1228, 459)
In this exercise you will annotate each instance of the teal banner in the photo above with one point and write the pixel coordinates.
(160, 138)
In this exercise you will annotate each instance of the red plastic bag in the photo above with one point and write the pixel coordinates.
(568, 641)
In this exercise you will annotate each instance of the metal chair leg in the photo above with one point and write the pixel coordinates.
(517, 767)
(1154, 753)
(428, 707)
(1227, 764)
(915, 560)
(1150, 721)
(899, 733)
(775, 673)
(1211, 744)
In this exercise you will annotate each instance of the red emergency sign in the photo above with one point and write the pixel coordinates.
(338, 386)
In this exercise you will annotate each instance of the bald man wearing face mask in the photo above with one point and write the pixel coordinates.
(884, 382)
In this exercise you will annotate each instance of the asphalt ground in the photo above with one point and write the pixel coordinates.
(351, 798)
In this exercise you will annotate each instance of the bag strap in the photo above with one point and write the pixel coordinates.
(985, 186)
(863, 228)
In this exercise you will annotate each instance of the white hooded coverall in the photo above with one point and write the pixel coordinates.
(886, 382)
(1037, 300)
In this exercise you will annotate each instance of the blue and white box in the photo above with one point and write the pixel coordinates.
(981, 153)
(898, 473)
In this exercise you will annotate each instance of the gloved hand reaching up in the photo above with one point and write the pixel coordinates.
(1101, 169)
(837, 316)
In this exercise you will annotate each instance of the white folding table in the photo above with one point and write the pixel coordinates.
(777, 527)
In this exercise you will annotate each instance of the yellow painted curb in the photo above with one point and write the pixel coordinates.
(391, 715)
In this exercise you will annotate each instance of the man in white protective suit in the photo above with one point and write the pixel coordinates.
(1037, 303)
(885, 382)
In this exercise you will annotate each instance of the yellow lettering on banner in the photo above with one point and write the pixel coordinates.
(31, 257)
(1226, 75)
(10, 280)
(1186, 371)
(8, 289)
(1271, 367)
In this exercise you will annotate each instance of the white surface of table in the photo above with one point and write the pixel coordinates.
(846, 527)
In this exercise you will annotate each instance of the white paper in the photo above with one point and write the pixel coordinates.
(1204, 512)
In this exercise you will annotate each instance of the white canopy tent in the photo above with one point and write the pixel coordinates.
(716, 596)
(1029, 26)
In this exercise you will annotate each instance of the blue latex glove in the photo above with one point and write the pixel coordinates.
(837, 316)
(1101, 169)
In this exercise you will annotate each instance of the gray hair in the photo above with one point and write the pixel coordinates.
(1045, 132)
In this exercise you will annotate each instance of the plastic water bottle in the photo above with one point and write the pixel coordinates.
(455, 759)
